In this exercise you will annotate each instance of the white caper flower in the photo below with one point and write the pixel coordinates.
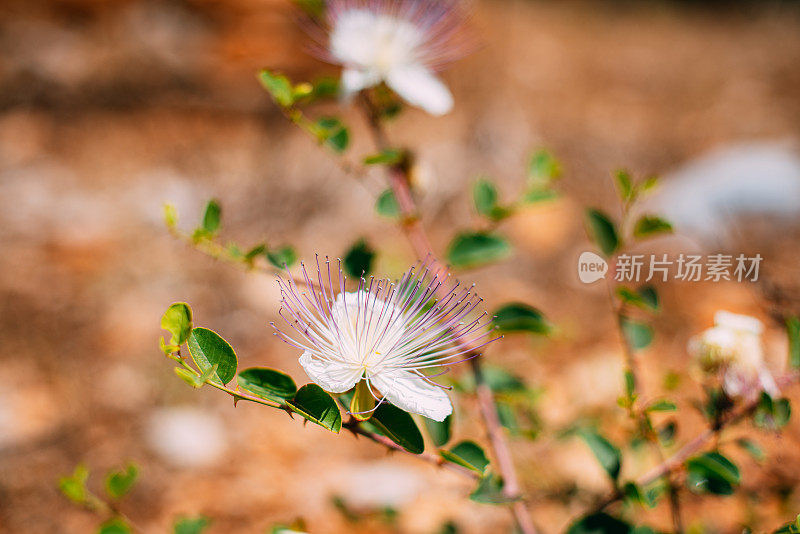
(386, 334)
(732, 348)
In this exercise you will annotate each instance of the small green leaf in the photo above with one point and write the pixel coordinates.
(535, 196)
(313, 403)
(119, 483)
(602, 231)
(608, 455)
(661, 405)
(624, 185)
(649, 225)
(478, 248)
(398, 426)
(630, 383)
(331, 132)
(519, 317)
(282, 257)
(363, 402)
(711, 472)
(191, 378)
(358, 260)
(267, 383)
(170, 215)
(793, 331)
(439, 431)
(638, 335)
(74, 486)
(649, 183)
(772, 414)
(792, 527)
(278, 86)
(208, 349)
(114, 526)
(543, 167)
(467, 454)
(600, 523)
(490, 491)
(255, 252)
(484, 194)
(212, 216)
(752, 448)
(177, 320)
(389, 156)
(190, 525)
(645, 297)
(386, 205)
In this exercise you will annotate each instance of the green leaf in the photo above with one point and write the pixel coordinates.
(661, 405)
(267, 383)
(490, 491)
(208, 349)
(478, 248)
(387, 206)
(212, 216)
(535, 196)
(191, 378)
(363, 402)
(119, 483)
(602, 231)
(389, 156)
(484, 194)
(600, 523)
(711, 472)
(170, 215)
(638, 335)
(358, 260)
(467, 454)
(752, 448)
(439, 431)
(543, 167)
(398, 426)
(792, 527)
(114, 526)
(278, 86)
(282, 257)
(624, 185)
(331, 132)
(255, 252)
(519, 317)
(177, 320)
(190, 525)
(313, 403)
(772, 414)
(649, 225)
(645, 297)
(608, 455)
(74, 486)
(793, 331)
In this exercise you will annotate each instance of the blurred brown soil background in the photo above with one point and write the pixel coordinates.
(110, 108)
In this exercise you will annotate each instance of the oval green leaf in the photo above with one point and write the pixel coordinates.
(313, 403)
(467, 454)
(477, 248)
(602, 231)
(177, 320)
(608, 455)
(519, 317)
(439, 431)
(267, 383)
(398, 426)
(208, 349)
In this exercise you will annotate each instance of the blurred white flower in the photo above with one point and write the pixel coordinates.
(399, 42)
(733, 349)
(384, 333)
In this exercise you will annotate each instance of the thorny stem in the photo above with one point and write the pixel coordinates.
(675, 461)
(399, 178)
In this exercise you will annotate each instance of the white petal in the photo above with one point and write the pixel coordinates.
(354, 80)
(333, 377)
(419, 87)
(413, 394)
